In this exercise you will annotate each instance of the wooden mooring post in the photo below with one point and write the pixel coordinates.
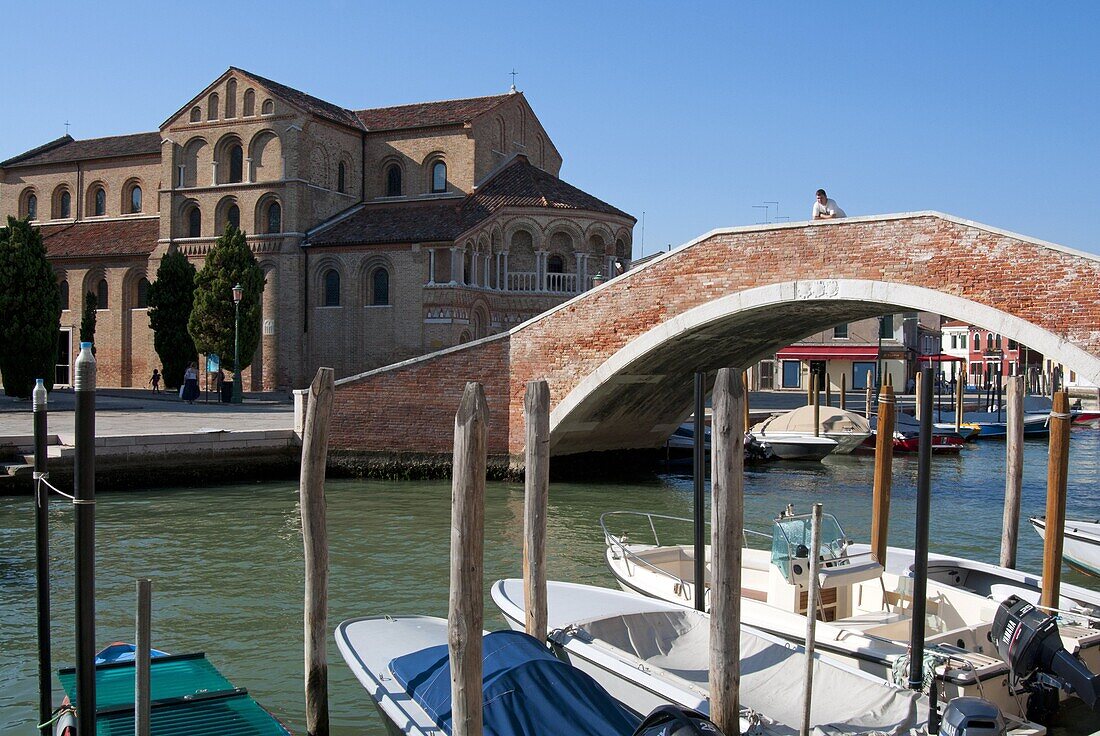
(811, 617)
(867, 397)
(315, 541)
(918, 389)
(843, 390)
(884, 468)
(745, 401)
(960, 394)
(815, 393)
(466, 603)
(726, 540)
(142, 656)
(536, 482)
(1014, 470)
(1057, 475)
(828, 390)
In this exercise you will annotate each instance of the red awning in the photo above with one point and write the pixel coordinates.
(828, 352)
(941, 358)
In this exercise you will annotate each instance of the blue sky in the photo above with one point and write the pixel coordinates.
(692, 113)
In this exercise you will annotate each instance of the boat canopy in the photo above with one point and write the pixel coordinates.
(527, 690)
(802, 420)
(791, 540)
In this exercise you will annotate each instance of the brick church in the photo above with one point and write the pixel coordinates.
(383, 233)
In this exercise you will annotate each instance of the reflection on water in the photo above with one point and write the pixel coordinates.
(227, 561)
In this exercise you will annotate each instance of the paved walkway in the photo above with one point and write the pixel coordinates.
(141, 412)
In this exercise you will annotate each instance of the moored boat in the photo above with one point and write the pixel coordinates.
(797, 446)
(846, 428)
(1080, 542)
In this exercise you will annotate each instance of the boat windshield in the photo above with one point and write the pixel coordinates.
(791, 540)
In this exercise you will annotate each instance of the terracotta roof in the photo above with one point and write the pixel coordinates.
(136, 237)
(519, 184)
(425, 114)
(66, 149)
(309, 103)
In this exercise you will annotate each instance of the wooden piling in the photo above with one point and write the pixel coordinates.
(828, 390)
(1057, 474)
(466, 603)
(843, 390)
(816, 395)
(726, 530)
(745, 402)
(536, 479)
(917, 390)
(811, 617)
(867, 397)
(960, 393)
(884, 467)
(143, 642)
(315, 542)
(1014, 470)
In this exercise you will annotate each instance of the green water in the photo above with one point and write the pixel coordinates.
(226, 561)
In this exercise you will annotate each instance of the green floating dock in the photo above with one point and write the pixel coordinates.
(188, 694)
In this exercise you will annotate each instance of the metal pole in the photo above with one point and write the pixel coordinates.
(811, 616)
(237, 393)
(700, 471)
(920, 550)
(42, 555)
(143, 640)
(84, 500)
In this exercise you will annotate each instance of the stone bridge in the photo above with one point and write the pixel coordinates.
(619, 359)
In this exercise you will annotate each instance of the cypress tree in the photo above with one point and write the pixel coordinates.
(229, 262)
(87, 319)
(171, 298)
(30, 302)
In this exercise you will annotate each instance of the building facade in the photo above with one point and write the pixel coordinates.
(383, 233)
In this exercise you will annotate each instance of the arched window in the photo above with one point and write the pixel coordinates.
(555, 264)
(380, 287)
(236, 163)
(212, 106)
(233, 216)
(135, 199)
(268, 108)
(194, 222)
(977, 342)
(101, 294)
(989, 341)
(332, 288)
(249, 102)
(99, 202)
(274, 218)
(196, 114)
(65, 205)
(231, 98)
(32, 206)
(341, 171)
(502, 141)
(64, 286)
(143, 293)
(393, 181)
(439, 177)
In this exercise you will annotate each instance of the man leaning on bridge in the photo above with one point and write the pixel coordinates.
(825, 208)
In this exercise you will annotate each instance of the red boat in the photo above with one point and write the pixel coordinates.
(906, 442)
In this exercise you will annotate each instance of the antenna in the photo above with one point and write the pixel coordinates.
(766, 208)
(784, 218)
(513, 73)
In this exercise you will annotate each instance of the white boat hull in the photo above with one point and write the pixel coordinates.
(1080, 543)
(797, 447)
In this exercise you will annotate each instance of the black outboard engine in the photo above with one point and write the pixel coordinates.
(972, 717)
(670, 720)
(1028, 640)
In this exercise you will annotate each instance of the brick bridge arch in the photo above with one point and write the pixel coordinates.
(620, 358)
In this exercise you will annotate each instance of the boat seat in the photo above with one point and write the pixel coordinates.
(865, 621)
(838, 577)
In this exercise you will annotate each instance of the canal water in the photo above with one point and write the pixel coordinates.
(226, 561)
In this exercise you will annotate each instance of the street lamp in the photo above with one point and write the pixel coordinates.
(238, 293)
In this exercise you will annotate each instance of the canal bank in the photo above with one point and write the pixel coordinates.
(226, 560)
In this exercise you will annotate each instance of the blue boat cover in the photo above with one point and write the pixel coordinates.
(527, 690)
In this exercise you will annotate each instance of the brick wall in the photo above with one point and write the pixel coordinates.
(411, 408)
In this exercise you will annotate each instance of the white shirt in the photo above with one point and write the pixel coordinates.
(830, 208)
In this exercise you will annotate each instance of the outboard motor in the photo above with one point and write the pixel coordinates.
(670, 720)
(1028, 640)
(972, 717)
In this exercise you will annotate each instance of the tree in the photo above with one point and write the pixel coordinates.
(171, 298)
(229, 262)
(87, 319)
(30, 302)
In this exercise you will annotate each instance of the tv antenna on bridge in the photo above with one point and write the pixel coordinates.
(769, 219)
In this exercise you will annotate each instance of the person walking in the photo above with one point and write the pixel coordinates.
(825, 208)
(154, 381)
(190, 390)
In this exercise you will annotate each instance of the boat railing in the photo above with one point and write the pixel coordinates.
(617, 543)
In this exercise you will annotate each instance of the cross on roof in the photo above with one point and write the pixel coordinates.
(513, 73)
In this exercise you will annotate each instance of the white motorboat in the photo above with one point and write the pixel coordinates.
(1080, 543)
(797, 446)
(403, 663)
(864, 613)
(1074, 602)
(646, 651)
(846, 428)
